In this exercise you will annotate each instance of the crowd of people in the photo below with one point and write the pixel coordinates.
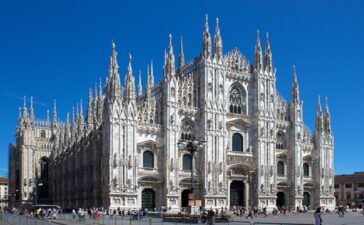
(207, 216)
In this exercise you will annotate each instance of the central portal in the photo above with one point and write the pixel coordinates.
(237, 193)
(185, 193)
(280, 200)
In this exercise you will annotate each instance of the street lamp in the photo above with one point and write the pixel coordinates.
(192, 146)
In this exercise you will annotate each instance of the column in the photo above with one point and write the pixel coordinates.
(246, 194)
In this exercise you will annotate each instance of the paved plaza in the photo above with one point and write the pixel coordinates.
(351, 218)
(304, 218)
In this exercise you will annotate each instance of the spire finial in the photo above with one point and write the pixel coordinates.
(81, 108)
(258, 57)
(319, 104)
(31, 110)
(170, 46)
(294, 73)
(206, 40)
(31, 102)
(217, 41)
(206, 23)
(67, 117)
(326, 104)
(130, 69)
(268, 65)
(113, 45)
(73, 114)
(54, 105)
(25, 102)
(181, 54)
(100, 88)
(47, 115)
(140, 91)
(54, 114)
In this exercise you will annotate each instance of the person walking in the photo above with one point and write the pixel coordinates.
(250, 214)
(317, 216)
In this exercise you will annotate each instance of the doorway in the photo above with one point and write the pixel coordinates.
(237, 193)
(306, 199)
(148, 199)
(280, 199)
(184, 196)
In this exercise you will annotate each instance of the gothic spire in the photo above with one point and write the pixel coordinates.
(151, 78)
(81, 110)
(319, 119)
(90, 109)
(129, 81)
(140, 91)
(47, 121)
(258, 58)
(113, 85)
(73, 115)
(181, 57)
(24, 114)
(295, 94)
(31, 110)
(217, 41)
(268, 65)
(100, 88)
(169, 64)
(327, 118)
(206, 39)
(54, 113)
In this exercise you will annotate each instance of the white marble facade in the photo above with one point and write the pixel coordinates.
(125, 152)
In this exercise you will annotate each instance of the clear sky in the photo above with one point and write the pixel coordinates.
(58, 49)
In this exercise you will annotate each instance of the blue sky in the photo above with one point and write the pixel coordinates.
(58, 49)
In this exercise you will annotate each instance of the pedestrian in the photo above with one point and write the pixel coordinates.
(250, 214)
(74, 214)
(317, 216)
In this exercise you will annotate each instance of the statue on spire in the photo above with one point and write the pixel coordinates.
(327, 118)
(113, 89)
(140, 88)
(129, 81)
(31, 111)
(217, 42)
(181, 54)
(169, 63)
(54, 114)
(206, 39)
(295, 95)
(268, 65)
(319, 119)
(258, 57)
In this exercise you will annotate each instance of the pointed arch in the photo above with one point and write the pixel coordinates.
(280, 143)
(237, 99)
(187, 129)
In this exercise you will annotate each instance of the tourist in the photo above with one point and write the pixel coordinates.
(317, 216)
(74, 214)
(250, 214)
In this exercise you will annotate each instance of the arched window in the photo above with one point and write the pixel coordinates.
(280, 168)
(238, 142)
(43, 134)
(236, 101)
(187, 130)
(148, 159)
(306, 170)
(280, 141)
(187, 162)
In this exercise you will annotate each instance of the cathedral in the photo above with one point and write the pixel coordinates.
(214, 126)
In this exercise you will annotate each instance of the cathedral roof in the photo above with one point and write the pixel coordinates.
(236, 61)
